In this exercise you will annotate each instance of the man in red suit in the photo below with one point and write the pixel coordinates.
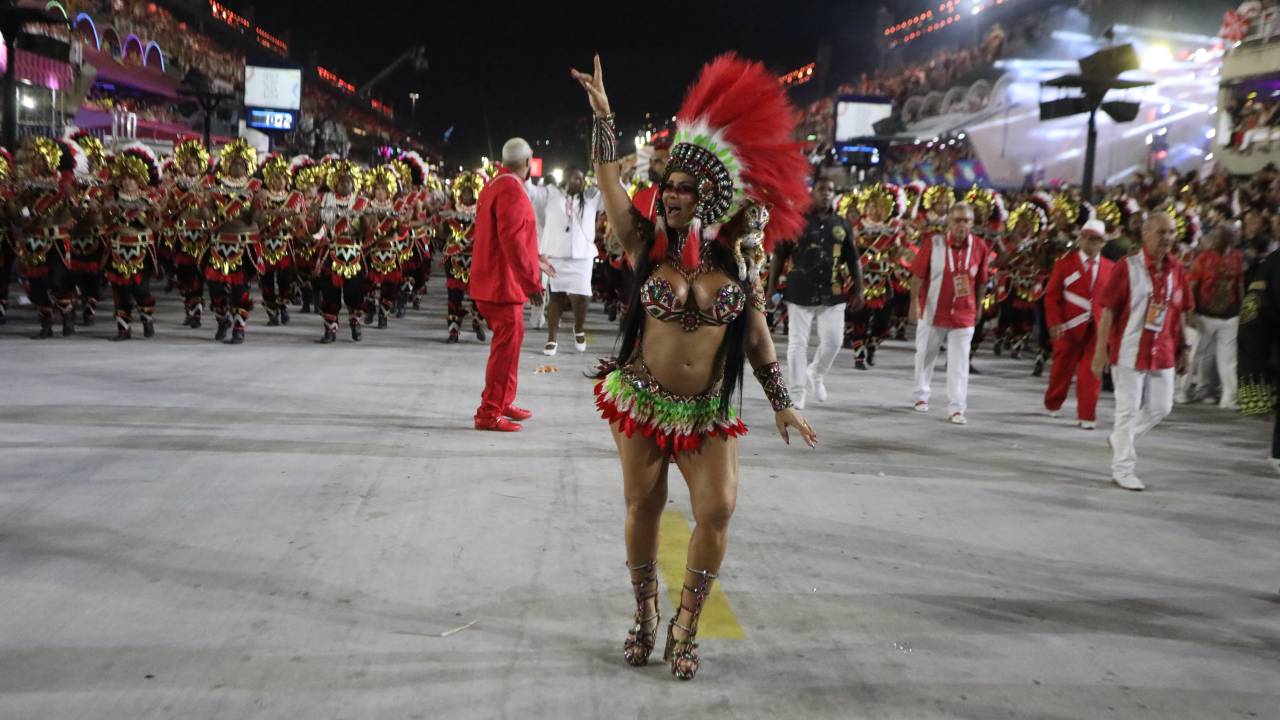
(505, 271)
(1071, 315)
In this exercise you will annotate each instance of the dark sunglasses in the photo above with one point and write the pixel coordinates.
(684, 188)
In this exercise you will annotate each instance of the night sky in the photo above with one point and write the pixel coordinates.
(513, 58)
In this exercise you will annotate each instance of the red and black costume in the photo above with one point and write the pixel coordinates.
(88, 238)
(187, 225)
(280, 217)
(43, 223)
(130, 218)
(235, 253)
(340, 258)
(420, 220)
(459, 230)
(7, 254)
(386, 239)
(878, 245)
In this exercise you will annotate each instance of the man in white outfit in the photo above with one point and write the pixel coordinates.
(568, 242)
(1141, 334)
(948, 281)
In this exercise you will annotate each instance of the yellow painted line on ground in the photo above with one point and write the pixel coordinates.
(718, 620)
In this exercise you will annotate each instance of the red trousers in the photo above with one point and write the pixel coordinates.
(506, 320)
(1073, 355)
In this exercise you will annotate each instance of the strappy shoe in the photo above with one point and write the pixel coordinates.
(683, 654)
(550, 348)
(641, 641)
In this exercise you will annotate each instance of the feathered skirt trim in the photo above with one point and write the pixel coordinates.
(677, 423)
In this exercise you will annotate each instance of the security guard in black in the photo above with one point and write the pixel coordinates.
(823, 258)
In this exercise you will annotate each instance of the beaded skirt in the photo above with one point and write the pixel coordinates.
(677, 423)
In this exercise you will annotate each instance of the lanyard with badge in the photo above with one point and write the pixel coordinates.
(960, 283)
(1158, 305)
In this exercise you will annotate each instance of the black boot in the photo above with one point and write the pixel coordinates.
(356, 332)
(196, 312)
(400, 308)
(46, 328)
(220, 334)
(478, 327)
(284, 314)
(237, 331)
(1040, 363)
(382, 318)
(306, 303)
(122, 330)
(273, 319)
(417, 305)
(998, 348)
(86, 318)
(871, 355)
(330, 332)
(148, 324)
(68, 323)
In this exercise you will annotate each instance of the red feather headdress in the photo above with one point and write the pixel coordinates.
(734, 134)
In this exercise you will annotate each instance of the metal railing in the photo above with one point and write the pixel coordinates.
(1263, 28)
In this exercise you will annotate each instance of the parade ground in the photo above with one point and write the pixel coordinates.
(290, 530)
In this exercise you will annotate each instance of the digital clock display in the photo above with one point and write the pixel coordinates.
(264, 119)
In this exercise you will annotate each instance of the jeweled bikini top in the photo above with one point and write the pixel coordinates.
(675, 303)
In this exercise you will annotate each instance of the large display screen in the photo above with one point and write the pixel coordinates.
(856, 116)
(263, 119)
(275, 88)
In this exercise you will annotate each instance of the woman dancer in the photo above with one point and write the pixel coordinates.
(695, 316)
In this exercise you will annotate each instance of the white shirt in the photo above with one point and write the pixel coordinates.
(569, 225)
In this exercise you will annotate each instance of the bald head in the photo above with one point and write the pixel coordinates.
(515, 156)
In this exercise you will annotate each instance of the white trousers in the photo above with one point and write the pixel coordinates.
(1216, 357)
(1182, 383)
(800, 321)
(929, 340)
(1143, 399)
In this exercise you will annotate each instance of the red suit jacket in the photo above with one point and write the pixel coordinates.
(504, 256)
(1069, 299)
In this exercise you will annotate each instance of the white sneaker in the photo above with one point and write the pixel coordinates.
(1128, 481)
(1088, 425)
(797, 399)
(1053, 413)
(549, 349)
(580, 346)
(921, 406)
(819, 388)
(957, 418)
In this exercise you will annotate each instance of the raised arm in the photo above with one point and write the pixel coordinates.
(607, 162)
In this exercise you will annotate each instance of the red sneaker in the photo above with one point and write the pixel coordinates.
(517, 413)
(498, 424)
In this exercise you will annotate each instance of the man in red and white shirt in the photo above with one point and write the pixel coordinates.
(1070, 313)
(948, 280)
(1143, 306)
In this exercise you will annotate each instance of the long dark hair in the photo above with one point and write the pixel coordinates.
(719, 254)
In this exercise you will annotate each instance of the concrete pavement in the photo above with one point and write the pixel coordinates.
(289, 530)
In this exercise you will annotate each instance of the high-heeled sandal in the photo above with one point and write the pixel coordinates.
(683, 654)
(640, 642)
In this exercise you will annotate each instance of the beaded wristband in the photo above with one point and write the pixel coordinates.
(604, 139)
(775, 387)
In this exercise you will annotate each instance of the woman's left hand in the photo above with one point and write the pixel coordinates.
(790, 418)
